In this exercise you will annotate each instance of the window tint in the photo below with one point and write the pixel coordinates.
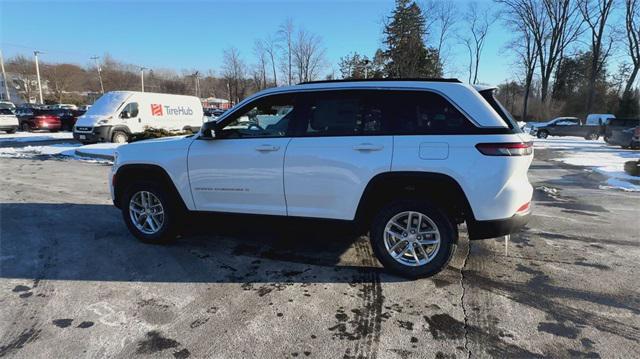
(425, 113)
(268, 117)
(5, 111)
(132, 109)
(340, 113)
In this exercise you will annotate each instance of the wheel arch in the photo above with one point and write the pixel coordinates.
(123, 128)
(441, 189)
(129, 173)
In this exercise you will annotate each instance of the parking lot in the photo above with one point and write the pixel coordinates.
(75, 283)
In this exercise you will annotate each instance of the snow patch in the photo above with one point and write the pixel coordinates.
(62, 149)
(604, 159)
(35, 136)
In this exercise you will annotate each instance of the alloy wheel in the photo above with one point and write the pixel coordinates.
(411, 238)
(146, 212)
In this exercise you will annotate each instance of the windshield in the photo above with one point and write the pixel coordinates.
(489, 96)
(107, 104)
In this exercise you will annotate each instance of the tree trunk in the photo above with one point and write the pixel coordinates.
(632, 78)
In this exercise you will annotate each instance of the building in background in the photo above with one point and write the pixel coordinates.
(213, 102)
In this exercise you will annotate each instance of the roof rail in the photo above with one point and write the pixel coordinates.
(383, 79)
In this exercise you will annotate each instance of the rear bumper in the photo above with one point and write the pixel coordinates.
(498, 227)
(8, 127)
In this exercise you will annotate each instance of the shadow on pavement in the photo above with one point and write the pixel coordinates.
(91, 243)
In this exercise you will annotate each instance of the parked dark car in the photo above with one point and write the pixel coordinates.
(68, 117)
(31, 119)
(619, 124)
(566, 126)
(625, 137)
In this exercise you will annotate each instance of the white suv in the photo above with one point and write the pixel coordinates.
(410, 159)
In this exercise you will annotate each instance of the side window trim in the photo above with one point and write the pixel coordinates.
(240, 111)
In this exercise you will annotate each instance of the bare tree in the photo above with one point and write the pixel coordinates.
(525, 46)
(308, 55)
(595, 14)
(477, 22)
(260, 70)
(632, 27)
(234, 71)
(440, 16)
(286, 33)
(24, 73)
(554, 24)
(63, 78)
(271, 48)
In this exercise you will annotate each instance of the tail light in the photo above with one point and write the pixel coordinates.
(506, 149)
(524, 208)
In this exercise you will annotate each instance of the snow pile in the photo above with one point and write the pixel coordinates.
(101, 151)
(604, 159)
(98, 150)
(35, 136)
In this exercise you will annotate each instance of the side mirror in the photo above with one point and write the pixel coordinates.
(208, 130)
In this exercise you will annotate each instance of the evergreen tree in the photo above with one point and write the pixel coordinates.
(406, 51)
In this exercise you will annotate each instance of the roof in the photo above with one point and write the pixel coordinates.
(426, 79)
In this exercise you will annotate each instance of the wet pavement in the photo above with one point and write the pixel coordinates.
(74, 283)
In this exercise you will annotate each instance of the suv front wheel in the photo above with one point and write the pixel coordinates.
(413, 239)
(150, 212)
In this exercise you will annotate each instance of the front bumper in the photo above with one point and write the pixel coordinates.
(498, 227)
(96, 134)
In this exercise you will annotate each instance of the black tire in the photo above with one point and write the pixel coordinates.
(172, 213)
(591, 136)
(448, 239)
(25, 127)
(543, 134)
(11, 131)
(119, 137)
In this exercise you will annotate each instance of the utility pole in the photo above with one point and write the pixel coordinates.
(4, 78)
(196, 81)
(142, 76)
(95, 58)
(35, 54)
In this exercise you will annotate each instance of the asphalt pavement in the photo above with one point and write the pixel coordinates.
(75, 283)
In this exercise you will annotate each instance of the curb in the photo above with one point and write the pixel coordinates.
(94, 155)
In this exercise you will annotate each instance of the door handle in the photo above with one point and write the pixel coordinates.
(368, 147)
(267, 148)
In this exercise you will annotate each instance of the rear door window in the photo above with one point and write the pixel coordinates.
(342, 113)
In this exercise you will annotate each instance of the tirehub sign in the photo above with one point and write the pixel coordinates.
(160, 110)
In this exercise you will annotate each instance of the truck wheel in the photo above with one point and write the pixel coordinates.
(592, 136)
(413, 239)
(543, 134)
(119, 137)
(150, 212)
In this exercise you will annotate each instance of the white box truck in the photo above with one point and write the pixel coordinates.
(117, 115)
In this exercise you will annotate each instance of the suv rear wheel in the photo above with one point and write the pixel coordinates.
(150, 212)
(413, 239)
